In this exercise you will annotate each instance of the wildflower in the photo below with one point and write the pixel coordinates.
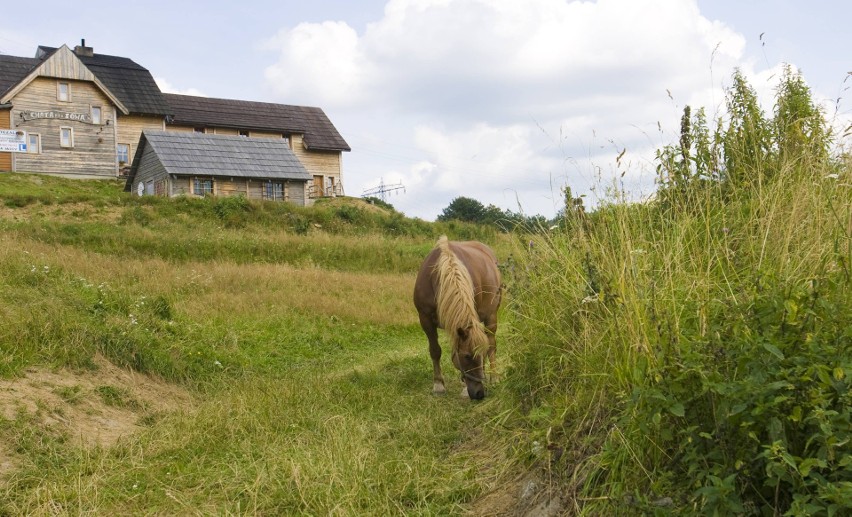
(832, 176)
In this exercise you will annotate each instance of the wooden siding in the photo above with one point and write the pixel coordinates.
(224, 131)
(129, 129)
(150, 169)
(65, 65)
(93, 151)
(180, 129)
(5, 123)
(294, 191)
(326, 164)
(230, 186)
(265, 134)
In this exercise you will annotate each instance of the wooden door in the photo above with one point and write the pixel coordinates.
(318, 190)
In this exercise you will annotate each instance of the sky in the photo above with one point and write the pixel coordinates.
(502, 101)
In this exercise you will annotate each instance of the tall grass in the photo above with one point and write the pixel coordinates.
(692, 354)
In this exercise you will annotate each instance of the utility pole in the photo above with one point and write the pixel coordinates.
(382, 190)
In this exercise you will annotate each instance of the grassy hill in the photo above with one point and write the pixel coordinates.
(283, 367)
(688, 355)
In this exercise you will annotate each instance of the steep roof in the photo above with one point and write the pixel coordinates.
(130, 82)
(320, 133)
(219, 155)
(13, 70)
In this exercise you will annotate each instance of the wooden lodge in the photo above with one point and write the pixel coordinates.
(83, 115)
(170, 163)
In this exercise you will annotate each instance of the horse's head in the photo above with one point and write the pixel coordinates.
(468, 358)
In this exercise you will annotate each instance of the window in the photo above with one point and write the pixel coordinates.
(33, 143)
(160, 188)
(66, 137)
(202, 187)
(273, 191)
(96, 115)
(198, 129)
(243, 132)
(63, 92)
(122, 152)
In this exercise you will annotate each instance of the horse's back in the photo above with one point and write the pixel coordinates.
(481, 263)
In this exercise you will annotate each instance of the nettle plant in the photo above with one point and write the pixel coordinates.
(751, 399)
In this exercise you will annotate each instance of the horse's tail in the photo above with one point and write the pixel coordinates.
(455, 299)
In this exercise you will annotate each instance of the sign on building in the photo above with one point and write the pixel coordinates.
(13, 141)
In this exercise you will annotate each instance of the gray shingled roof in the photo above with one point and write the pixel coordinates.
(13, 70)
(220, 155)
(320, 133)
(130, 82)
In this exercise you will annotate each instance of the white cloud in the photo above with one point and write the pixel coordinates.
(328, 54)
(501, 97)
(166, 87)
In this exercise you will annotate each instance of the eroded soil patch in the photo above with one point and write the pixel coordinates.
(91, 408)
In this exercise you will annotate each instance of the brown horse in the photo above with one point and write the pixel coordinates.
(458, 290)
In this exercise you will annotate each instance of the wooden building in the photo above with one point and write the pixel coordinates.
(84, 115)
(169, 163)
(309, 133)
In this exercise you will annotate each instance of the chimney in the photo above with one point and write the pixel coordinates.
(83, 50)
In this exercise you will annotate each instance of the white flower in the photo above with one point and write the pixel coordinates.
(832, 176)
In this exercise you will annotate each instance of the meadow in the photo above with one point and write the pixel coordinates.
(306, 381)
(689, 354)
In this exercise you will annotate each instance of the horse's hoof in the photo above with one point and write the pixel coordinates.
(439, 390)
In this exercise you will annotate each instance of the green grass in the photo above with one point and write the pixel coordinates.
(309, 373)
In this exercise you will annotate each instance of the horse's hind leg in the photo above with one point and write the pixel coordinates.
(431, 331)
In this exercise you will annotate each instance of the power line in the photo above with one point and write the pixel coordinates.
(383, 190)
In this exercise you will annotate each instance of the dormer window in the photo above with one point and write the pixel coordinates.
(63, 92)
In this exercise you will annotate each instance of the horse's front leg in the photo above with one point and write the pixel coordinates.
(431, 331)
(491, 327)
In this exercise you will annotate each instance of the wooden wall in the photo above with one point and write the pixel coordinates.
(5, 158)
(319, 163)
(93, 152)
(224, 131)
(150, 170)
(129, 130)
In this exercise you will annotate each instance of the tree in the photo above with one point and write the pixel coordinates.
(464, 209)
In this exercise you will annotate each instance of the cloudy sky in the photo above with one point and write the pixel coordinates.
(503, 101)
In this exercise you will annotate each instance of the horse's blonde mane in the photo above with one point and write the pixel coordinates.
(456, 306)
